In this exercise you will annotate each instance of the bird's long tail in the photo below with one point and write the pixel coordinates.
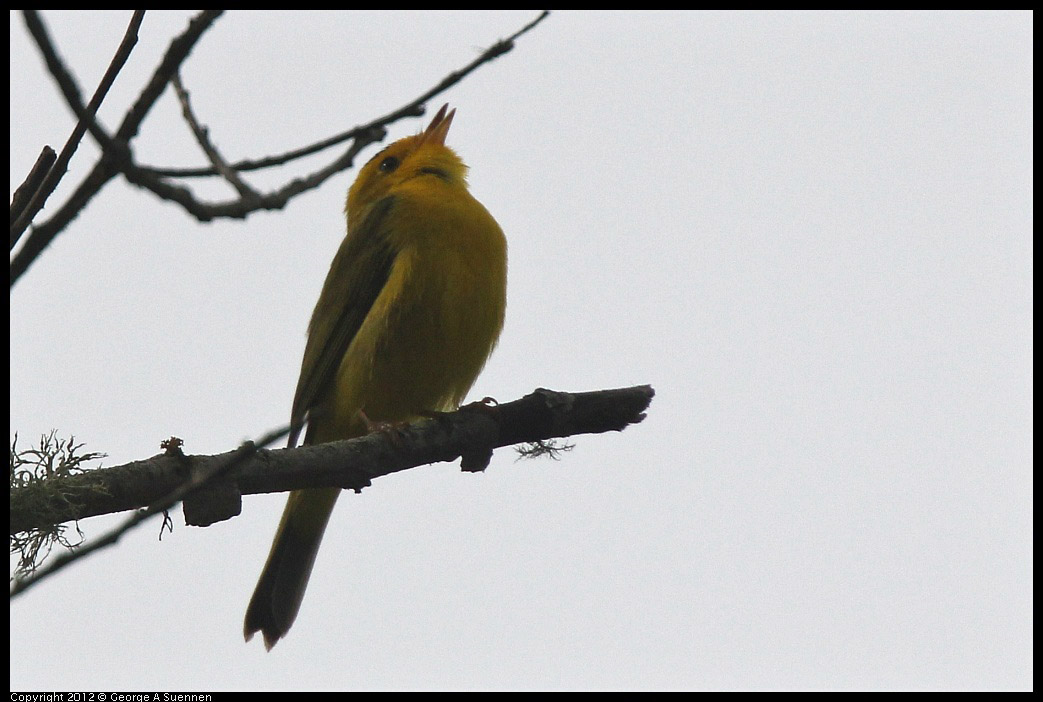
(280, 589)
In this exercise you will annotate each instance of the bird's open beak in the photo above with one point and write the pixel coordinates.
(439, 127)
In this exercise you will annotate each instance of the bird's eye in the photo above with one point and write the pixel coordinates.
(389, 164)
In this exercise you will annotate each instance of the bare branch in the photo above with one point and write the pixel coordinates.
(196, 481)
(414, 108)
(117, 155)
(29, 186)
(470, 434)
(61, 165)
(239, 209)
(202, 135)
(176, 55)
(116, 151)
(66, 83)
(153, 178)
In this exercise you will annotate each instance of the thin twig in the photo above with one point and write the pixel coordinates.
(56, 66)
(414, 108)
(61, 165)
(203, 138)
(175, 55)
(117, 156)
(116, 151)
(238, 209)
(362, 136)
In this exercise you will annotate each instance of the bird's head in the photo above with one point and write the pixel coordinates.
(421, 156)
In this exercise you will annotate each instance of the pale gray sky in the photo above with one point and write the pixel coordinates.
(811, 233)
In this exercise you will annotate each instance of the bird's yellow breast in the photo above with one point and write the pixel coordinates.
(435, 322)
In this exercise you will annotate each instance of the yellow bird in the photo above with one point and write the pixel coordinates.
(410, 311)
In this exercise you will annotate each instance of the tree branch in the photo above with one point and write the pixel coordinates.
(116, 151)
(117, 156)
(21, 197)
(412, 109)
(86, 118)
(202, 135)
(471, 433)
(198, 481)
(153, 178)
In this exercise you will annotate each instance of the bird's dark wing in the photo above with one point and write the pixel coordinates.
(357, 275)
